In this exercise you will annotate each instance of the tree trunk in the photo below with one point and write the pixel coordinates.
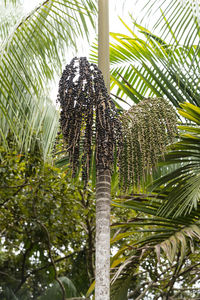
(102, 265)
(102, 284)
(103, 41)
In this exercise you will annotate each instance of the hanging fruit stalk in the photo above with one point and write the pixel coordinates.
(89, 121)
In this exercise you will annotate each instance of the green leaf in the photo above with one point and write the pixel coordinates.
(128, 91)
(91, 289)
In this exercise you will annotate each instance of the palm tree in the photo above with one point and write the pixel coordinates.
(90, 124)
(103, 185)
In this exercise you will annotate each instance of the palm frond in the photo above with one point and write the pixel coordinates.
(9, 16)
(153, 238)
(30, 58)
(174, 19)
(7, 2)
(182, 185)
(169, 234)
(154, 67)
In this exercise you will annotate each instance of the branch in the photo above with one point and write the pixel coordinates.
(186, 289)
(188, 269)
(194, 279)
(137, 289)
(41, 268)
(50, 264)
(78, 298)
(138, 195)
(174, 276)
(8, 275)
(144, 292)
(13, 187)
(20, 187)
(152, 283)
(23, 277)
(120, 99)
(31, 14)
(52, 260)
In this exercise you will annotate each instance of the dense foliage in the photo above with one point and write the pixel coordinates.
(46, 222)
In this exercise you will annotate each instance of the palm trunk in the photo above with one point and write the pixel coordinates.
(103, 41)
(102, 272)
(102, 285)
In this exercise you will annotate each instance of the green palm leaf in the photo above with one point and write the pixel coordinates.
(169, 234)
(143, 236)
(181, 186)
(176, 20)
(30, 58)
(55, 292)
(153, 66)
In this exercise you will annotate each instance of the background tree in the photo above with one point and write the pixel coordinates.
(43, 214)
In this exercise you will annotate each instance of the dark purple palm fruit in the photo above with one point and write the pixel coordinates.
(88, 117)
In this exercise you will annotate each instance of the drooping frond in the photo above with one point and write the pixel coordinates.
(88, 117)
(172, 236)
(7, 2)
(30, 57)
(182, 185)
(175, 19)
(9, 16)
(148, 128)
(182, 241)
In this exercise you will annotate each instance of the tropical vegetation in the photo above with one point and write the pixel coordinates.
(47, 218)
